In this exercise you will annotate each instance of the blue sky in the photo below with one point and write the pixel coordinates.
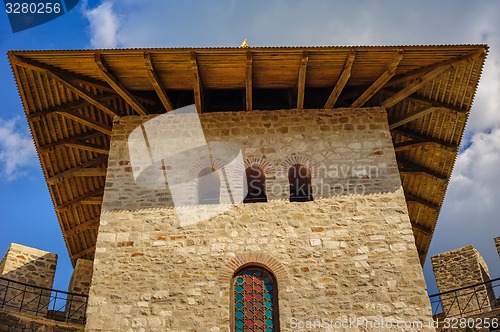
(471, 211)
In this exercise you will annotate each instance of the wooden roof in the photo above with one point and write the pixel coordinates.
(71, 97)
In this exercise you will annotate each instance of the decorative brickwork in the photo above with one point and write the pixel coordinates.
(253, 258)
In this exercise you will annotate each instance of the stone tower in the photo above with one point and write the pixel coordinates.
(300, 190)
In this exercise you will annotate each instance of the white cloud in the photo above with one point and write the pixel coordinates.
(104, 24)
(17, 152)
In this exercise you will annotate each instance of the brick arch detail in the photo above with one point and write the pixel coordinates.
(301, 160)
(253, 258)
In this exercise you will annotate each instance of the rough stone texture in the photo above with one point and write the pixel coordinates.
(30, 266)
(346, 254)
(497, 244)
(461, 268)
(16, 322)
(79, 284)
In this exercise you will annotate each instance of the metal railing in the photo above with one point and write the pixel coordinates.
(466, 301)
(45, 302)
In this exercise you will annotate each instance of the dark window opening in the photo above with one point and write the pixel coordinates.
(299, 177)
(256, 185)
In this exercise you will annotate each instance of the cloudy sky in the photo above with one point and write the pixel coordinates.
(472, 206)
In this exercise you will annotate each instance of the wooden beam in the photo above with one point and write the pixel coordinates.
(92, 223)
(414, 86)
(344, 77)
(403, 146)
(411, 116)
(406, 166)
(72, 171)
(66, 79)
(197, 86)
(155, 81)
(418, 136)
(249, 82)
(94, 193)
(388, 73)
(95, 171)
(88, 147)
(301, 82)
(86, 121)
(108, 76)
(421, 228)
(80, 103)
(420, 100)
(422, 71)
(421, 201)
(73, 139)
(87, 251)
(92, 201)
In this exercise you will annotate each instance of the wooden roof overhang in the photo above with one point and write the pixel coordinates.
(71, 97)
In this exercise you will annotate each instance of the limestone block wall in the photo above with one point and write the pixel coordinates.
(497, 244)
(347, 254)
(30, 266)
(79, 284)
(460, 268)
(15, 322)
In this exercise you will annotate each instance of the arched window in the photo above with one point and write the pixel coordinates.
(299, 177)
(255, 301)
(256, 185)
(208, 186)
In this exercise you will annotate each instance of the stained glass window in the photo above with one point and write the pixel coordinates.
(255, 309)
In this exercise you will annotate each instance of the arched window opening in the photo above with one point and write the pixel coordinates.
(256, 185)
(208, 186)
(255, 301)
(299, 177)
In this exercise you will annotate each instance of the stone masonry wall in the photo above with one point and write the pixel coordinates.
(497, 244)
(30, 266)
(16, 322)
(347, 254)
(460, 268)
(79, 284)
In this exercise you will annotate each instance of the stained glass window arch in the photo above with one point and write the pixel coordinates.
(255, 301)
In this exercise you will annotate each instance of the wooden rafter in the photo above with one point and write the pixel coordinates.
(88, 147)
(419, 83)
(92, 201)
(388, 73)
(344, 77)
(80, 103)
(94, 193)
(73, 139)
(418, 136)
(421, 201)
(66, 79)
(92, 223)
(411, 116)
(301, 82)
(403, 146)
(412, 168)
(155, 81)
(75, 170)
(94, 171)
(421, 72)
(249, 82)
(197, 86)
(108, 76)
(87, 251)
(420, 100)
(86, 121)
(421, 228)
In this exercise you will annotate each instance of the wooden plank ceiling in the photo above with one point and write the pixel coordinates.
(71, 97)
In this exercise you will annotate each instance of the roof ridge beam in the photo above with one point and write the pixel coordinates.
(388, 73)
(66, 79)
(412, 116)
(108, 76)
(422, 71)
(301, 81)
(342, 81)
(197, 85)
(86, 121)
(249, 81)
(155, 81)
(74, 170)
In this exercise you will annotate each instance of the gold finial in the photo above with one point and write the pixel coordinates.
(245, 44)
